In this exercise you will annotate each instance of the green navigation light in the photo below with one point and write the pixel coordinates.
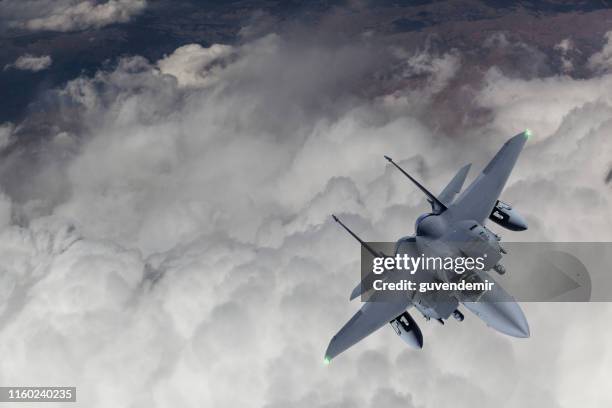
(528, 134)
(326, 360)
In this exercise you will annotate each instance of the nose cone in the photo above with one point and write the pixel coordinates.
(521, 323)
(505, 317)
(500, 311)
(511, 319)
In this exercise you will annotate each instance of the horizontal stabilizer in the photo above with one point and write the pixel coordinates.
(454, 186)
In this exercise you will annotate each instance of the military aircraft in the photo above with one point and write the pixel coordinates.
(454, 226)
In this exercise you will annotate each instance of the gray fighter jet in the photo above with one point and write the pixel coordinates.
(454, 226)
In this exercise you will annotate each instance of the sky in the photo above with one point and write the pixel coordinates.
(166, 237)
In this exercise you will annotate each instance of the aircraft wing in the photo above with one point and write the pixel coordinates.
(478, 200)
(371, 317)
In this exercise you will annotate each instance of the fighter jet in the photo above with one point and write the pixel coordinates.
(455, 225)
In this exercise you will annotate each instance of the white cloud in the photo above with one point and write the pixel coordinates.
(194, 65)
(69, 15)
(192, 260)
(6, 134)
(499, 40)
(439, 69)
(601, 61)
(565, 47)
(32, 63)
(5, 210)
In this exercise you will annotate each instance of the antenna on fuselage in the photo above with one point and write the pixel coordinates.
(371, 250)
(430, 196)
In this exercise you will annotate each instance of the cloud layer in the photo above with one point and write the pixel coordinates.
(32, 63)
(173, 245)
(68, 15)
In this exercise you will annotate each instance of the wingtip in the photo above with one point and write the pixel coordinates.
(465, 170)
(520, 138)
(334, 217)
(388, 158)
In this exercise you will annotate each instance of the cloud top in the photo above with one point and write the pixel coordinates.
(69, 15)
(173, 228)
(31, 63)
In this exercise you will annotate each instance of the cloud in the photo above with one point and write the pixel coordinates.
(176, 246)
(602, 61)
(566, 47)
(194, 65)
(517, 57)
(6, 134)
(32, 63)
(438, 69)
(69, 15)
